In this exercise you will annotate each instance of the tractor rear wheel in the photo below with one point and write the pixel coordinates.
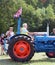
(21, 48)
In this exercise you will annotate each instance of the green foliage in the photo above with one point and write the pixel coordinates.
(50, 12)
(34, 13)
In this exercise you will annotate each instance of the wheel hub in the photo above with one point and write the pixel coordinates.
(51, 53)
(21, 49)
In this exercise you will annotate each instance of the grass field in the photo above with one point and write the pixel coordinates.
(38, 59)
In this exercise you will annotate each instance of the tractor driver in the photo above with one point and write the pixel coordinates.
(25, 31)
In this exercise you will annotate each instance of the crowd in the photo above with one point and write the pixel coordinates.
(4, 39)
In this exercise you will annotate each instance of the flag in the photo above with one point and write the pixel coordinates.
(18, 13)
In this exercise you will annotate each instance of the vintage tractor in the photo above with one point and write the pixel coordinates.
(22, 48)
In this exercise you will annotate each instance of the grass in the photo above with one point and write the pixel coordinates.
(38, 59)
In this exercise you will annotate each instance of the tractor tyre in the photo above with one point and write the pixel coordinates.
(21, 48)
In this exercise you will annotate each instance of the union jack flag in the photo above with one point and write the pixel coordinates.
(18, 13)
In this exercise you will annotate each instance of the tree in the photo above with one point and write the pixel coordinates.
(34, 13)
(50, 12)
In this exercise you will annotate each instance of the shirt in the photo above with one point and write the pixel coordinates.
(24, 31)
(9, 34)
(52, 34)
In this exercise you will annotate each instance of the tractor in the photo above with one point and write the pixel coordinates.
(21, 47)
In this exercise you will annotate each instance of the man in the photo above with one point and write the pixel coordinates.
(53, 32)
(25, 31)
(10, 33)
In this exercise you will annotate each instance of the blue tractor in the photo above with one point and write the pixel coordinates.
(21, 47)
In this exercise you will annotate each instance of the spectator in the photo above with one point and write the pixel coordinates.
(10, 33)
(6, 44)
(53, 32)
(2, 44)
(0, 47)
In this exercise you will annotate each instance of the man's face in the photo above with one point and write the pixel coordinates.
(26, 26)
(54, 31)
(11, 29)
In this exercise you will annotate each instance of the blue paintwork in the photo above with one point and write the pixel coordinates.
(41, 43)
(44, 43)
(18, 26)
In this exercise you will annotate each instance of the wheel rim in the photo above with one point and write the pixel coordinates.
(51, 54)
(21, 49)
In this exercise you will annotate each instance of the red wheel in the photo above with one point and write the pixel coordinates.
(51, 54)
(21, 49)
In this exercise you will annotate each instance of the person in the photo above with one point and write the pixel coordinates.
(10, 33)
(0, 47)
(53, 32)
(2, 44)
(24, 30)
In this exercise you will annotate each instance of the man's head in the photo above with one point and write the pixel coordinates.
(25, 25)
(54, 30)
(11, 29)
